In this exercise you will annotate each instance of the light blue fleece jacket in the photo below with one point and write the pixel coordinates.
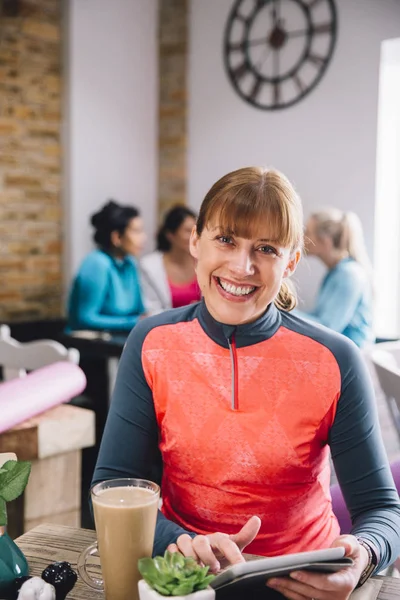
(105, 294)
(344, 302)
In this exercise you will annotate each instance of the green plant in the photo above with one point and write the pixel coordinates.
(14, 476)
(174, 574)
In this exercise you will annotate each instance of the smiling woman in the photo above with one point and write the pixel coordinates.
(240, 404)
(247, 243)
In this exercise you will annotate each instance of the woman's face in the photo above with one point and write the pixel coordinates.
(239, 277)
(180, 238)
(133, 239)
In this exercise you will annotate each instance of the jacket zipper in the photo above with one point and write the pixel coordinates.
(235, 379)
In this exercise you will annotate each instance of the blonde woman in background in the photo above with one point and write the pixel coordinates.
(344, 301)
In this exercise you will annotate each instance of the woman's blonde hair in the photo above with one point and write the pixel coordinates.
(242, 201)
(346, 232)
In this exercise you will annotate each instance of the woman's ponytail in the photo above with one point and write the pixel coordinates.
(286, 299)
(163, 244)
(353, 240)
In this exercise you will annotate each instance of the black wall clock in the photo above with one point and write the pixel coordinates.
(276, 51)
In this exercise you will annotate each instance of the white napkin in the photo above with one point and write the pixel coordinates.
(369, 591)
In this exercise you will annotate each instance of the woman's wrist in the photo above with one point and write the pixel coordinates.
(369, 560)
(364, 558)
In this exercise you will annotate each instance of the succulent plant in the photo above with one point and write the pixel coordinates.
(174, 574)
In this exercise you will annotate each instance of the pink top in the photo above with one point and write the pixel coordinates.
(185, 293)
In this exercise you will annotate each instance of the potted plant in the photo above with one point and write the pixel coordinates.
(174, 575)
(14, 476)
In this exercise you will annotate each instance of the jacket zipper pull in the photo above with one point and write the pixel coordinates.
(235, 378)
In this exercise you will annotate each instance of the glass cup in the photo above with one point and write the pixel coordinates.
(125, 514)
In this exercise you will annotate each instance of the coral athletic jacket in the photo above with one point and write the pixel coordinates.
(240, 419)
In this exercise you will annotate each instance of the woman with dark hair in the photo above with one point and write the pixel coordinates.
(106, 292)
(168, 275)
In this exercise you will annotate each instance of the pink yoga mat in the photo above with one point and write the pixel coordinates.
(23, 398)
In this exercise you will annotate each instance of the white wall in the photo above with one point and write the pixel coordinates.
(110, 117)
(326, 144)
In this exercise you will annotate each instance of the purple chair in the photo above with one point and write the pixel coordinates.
(339, 505)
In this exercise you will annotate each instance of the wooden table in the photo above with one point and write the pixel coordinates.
(49, 543)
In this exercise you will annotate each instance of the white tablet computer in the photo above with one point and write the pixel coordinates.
(258, 571)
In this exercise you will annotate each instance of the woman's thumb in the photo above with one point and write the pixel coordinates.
(248, 532)
(349, 543)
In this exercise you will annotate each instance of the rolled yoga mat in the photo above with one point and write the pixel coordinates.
(26, 397)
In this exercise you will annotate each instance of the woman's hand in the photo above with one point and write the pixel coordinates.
(303, 585)
(212, 548)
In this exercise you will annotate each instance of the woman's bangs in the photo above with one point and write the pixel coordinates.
(256, 218)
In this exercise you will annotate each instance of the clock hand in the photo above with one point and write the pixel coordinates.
(257, 41)
(263, 59)
(276, 63)
(274, 13)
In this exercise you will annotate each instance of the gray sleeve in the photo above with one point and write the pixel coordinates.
(129, 447)
(361, 463)
(151, 295)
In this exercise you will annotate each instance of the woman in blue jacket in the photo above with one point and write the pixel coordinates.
(344, 301)
(106, 292)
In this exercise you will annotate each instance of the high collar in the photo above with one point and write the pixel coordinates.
(121, 263)
(339, 265)
(340, 262)
(344, 261)
(245, 335)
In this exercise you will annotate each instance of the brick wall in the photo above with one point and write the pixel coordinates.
(30, 169)
(173, 41)
(30, 150)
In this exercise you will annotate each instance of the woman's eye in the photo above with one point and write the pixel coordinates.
(268, 250)
(224, 239)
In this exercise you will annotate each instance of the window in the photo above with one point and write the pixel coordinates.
(387, 206)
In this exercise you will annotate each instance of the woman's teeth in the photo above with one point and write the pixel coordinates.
(236, 290)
